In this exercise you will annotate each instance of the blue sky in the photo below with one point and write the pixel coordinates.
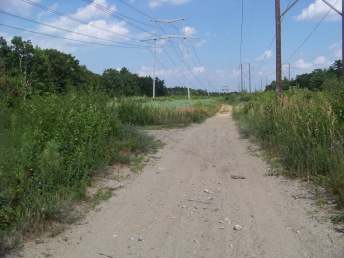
(222, 35)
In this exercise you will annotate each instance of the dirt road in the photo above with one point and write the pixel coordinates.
(205, 195)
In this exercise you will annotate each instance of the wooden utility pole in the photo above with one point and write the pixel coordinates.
(278, 49)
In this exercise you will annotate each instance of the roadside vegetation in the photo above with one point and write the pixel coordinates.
(61, 125)
(166, 111)
(304, 130)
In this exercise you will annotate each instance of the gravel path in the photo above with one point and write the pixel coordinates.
(205, 195)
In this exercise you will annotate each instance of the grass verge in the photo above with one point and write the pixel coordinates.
(304, 131)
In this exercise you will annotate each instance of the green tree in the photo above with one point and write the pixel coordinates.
(336, 69)
(129, 83)
(160, 87)
(145, 85)
(112, 83)
(41, 74)
(65, 70)
(4, 56)
(89, 81)
(20, 60)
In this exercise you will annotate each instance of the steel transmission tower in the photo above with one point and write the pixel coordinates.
(168, 37)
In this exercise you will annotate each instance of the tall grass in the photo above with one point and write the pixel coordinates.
(303, 130)
(50, 148)
(168, 112)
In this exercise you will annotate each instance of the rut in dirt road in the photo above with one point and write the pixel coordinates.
(204, 196)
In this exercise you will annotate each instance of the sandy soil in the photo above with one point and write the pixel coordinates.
(205, 195)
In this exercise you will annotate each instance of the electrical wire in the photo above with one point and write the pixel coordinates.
(76, 40)
(249, 32)
(109, 12)
(305, 40)
(272, 41)
(77, 20)
(135, 9)
(200, 64)
(118, 16)
(163, 66)
(310, 34)
(58, 28)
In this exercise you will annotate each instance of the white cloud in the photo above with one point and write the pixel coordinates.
(301, 64)
(91, 12)
(201, 43)
(336, 50)
(234, 74)
(145, 71)
(157, 3)
(318, 10)
(198, 70)
(7, 37)
(267, 54)
(17, 6)
(149, 71)
(320, 60)
(188, 31)
(117, 27)
(95, 18)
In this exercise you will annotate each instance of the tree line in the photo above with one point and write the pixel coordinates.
(318, 79)
(27, 70)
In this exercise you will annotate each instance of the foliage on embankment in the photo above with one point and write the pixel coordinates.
(52, 146)
(304, 129)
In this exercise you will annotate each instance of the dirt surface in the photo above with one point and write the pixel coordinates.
(205, 195)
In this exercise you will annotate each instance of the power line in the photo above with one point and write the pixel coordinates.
(265, 55)
(249, 33)
(77, 33)
(123, 18)
(272, 41)
(309, 35)
(305, 40)
(118, 16)
(163, 66)
(135, 9)
(76, 19)
(76, 40)
(117, 13)
(197, 57)
(242, 23)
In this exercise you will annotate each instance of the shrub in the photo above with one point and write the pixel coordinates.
(51, 146)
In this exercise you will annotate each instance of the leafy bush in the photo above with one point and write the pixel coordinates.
(50, 148)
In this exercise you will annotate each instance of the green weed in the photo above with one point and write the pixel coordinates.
(51, 147)
(303, 130)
